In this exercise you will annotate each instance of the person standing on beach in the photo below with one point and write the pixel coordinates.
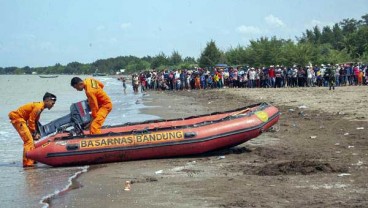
(99, 102)
(123, 80)
(124, 83)
(25, 119)
(330, 73)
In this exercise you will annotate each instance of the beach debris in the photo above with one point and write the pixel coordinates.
(350, 147)
(209, 102)
(337, 144)
(274, 128)
(360, 128)
(344, 174)
(346, 134)
(302, 107)
(291, 110)
(191, 162)
(359, 163)
(221, 157)
(127, 186)
(177, 169)
(313, 137)
(159, 172)
(329, 186)
(187, 166)
(341, 113)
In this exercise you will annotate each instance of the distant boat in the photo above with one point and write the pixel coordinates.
(48, 76)
(99, 74)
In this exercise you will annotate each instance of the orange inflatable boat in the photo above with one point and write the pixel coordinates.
(157, 138)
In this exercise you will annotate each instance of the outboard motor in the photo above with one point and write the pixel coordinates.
(74, 123)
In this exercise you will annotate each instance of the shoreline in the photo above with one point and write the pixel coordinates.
(289, 166)
(46, 201)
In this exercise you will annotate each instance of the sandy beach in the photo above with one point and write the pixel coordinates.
(316, 156)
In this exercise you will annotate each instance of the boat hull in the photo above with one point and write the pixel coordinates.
(158, 139)
(48, 76)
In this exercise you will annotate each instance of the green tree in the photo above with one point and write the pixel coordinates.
(327, 35)
(73, 68)
(349, 25)
(357, 42)
(19, 71)
(27, 70)
(159, 60)
(265, 51)
(317, 35)
(365, 19)
(10, 70)
(304, 54)
(210, 56)
(175, 58)
(287, 53)
(336, 57)
(190, 60)
(236, 56)
(338, 38)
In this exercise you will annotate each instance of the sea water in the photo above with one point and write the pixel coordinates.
(30, 187)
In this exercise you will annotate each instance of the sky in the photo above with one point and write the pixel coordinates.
(39, 33)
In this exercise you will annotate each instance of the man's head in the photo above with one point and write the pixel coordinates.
(77, 83)
(49, 100)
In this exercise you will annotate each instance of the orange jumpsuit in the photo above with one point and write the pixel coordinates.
(197, 82)
(99, 102)
(24, 120)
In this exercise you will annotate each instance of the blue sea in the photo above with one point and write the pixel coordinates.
(32, 187)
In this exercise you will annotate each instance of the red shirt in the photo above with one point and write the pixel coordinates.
(271, 72)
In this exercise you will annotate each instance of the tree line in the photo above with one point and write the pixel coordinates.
(346, 41)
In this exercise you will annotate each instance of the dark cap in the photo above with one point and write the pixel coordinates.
(49, 96)
(75, 81)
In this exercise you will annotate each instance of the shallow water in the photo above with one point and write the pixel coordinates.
(27, 187)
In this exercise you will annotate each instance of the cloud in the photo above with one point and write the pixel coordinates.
(125, 25)
(318, 23)
(274, 21)
(248, 30)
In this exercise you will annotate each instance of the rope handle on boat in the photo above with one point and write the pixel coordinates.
(144, 131)
(261, 107)
(239, 112)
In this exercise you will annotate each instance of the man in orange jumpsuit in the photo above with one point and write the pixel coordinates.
(98, 100)
(24, 120)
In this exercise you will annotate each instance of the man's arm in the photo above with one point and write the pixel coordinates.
(100, 84)
(93, 104)
(33, 118)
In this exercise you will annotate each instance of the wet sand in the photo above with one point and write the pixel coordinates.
(316, 157)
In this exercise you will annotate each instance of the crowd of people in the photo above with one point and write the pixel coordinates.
(252, 77)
